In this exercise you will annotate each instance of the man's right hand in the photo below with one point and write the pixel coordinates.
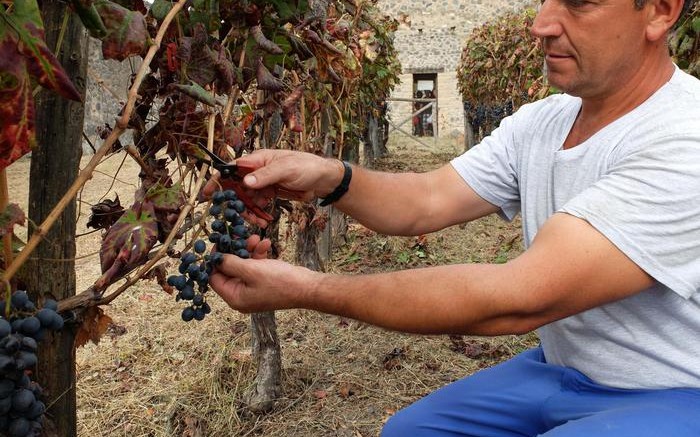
(287, 174)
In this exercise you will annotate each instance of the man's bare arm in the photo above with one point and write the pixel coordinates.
(390, 203)
(569, 268)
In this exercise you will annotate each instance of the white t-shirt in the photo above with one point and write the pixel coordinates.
(637, 181)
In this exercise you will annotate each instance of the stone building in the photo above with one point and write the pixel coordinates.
(429, 41)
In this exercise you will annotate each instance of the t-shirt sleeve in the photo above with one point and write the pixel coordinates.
(490, 169)
(648, 205)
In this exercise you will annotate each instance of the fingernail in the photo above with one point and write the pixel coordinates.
(250, 180)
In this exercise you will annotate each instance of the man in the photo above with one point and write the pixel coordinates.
(607, 179)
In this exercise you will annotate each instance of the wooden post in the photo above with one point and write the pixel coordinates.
(266, 389)
(54, 167)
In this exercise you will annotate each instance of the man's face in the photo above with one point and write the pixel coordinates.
(591, 47)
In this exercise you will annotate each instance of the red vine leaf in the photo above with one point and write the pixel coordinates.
(127, 243)
(24, 55)
(11, 216)
(95, 324)
(127, 34)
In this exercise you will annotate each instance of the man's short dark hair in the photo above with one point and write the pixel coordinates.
(639, 4)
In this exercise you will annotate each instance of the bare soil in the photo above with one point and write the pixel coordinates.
(154, 375)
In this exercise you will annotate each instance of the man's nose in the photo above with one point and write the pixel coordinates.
(548, 20)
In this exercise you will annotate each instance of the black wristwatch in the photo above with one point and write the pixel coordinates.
(341, 189)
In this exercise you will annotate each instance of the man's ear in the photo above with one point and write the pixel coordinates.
(661, 16)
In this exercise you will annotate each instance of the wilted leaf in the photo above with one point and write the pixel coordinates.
(263, 42)
(127, 243)
(105, 213)
(95, 324)
(11, 216)
(266, 80)
(127, 34)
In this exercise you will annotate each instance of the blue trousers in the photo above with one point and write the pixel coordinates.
(525, 396)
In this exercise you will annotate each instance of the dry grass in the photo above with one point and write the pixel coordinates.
(154, 375)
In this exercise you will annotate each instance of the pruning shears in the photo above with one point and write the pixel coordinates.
(235, 172)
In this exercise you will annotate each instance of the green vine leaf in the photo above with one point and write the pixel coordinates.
(196, 91)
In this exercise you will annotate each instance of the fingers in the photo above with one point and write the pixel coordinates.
(258, 249)
(213, 184)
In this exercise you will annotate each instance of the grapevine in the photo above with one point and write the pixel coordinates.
(492, 88)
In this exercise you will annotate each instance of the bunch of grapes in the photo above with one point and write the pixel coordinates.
(21, 409)
(230, 234)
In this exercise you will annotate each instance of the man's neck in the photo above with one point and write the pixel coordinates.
(599, 111)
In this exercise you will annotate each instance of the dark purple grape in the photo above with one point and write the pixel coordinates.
(45, 316)
(230, 195)
(31, 325)
(187, 314)
(6, 404)
(242, 253)
(5, 328)
(240, 231)
(200, 246)
(188, 258)
(19, 427)
(25, 360)
(6, 387)
(19, 299)
(36, 410)
(218, 226)
(182, 268)
(51, 304)
(224, 244)
(187, 293)
(57, 323)
(198, 300)
(239, 243)
(206, 308)
(7, 363)
(214, 237)
(215, 210)
(193, 271)
(238, 205)
(217, 258)
(218, 197)
(203, 278)
(29, 344)
(22, 399)
(230, 214)
(199, 314)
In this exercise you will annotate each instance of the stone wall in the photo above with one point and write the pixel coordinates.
(107, 88)
(429, 40)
